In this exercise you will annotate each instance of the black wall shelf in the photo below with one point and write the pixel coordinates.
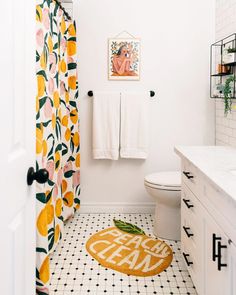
(223, 65)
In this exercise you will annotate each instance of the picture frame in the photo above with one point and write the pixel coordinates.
(124, 59)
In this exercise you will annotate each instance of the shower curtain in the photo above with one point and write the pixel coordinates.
(57, 131)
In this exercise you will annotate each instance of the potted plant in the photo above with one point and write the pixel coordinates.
(231, 50)
(228, 91)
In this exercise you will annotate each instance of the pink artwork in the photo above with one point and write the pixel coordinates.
(124, 59)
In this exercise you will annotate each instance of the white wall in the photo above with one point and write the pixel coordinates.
(225, 25)
(175, 63)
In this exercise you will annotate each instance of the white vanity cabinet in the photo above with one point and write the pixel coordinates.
(208, 230)
(232, 268)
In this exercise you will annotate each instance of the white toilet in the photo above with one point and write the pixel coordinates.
(165, 188)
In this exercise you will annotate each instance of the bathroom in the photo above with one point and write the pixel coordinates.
(162, 223)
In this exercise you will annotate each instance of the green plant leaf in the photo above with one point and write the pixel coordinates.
(50, 230)
(41, 197)
(40, 285)
(73, 104)
(58, 148)
(77, 201)
(128, 227)
(37, 274)
(48, 196)
(71, 159)
(45, 124)
(51, 183)
(57, 78)
(57, 164)
(38, 15)
(72, 66)
(228, 94)
(42, 73)
(64, 151)
(55, 46)
(72, 39)
(41, 250)
(65, 200)
(51, 243)
(69, 173)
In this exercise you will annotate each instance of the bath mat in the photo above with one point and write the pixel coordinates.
(126, 248)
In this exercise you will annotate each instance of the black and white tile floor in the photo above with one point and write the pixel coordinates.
(74, 271)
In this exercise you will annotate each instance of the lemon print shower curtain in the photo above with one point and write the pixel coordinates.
(57, 131)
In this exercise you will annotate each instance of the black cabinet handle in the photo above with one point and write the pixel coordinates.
(214, 240)
(186, 259)
(186, 202)
(218, 254)
(188, 175)
(41, 176)
(186, 229)
(220, 264)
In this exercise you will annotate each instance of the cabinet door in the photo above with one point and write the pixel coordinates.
(232, 264)
(217, 268)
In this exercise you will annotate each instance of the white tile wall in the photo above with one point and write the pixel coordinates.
(225, 25)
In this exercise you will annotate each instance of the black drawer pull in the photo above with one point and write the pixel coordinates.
(214, 239)
(186, 259)
(218, 255)
(186, 229)
(188, 175)
(186, 202)
(220, 264)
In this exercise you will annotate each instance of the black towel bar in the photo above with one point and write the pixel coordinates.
(152, 93)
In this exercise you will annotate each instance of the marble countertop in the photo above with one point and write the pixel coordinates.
(217, 163)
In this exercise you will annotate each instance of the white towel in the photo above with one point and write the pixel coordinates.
(134, 125)
(106, 125)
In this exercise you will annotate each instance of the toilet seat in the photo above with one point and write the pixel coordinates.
(170, 181)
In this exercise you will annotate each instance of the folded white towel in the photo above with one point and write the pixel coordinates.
(134, 125)
(106, 125)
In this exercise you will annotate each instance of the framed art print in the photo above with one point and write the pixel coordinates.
(124, 59)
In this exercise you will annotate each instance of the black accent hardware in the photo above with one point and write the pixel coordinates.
(214, 240)
(224, 69)
(218, 255)
(41, 176)
(188, 175)
(152, 93)
(90, 93)
(186, 229)
(186, 259)
(186, 202)
(220, 264)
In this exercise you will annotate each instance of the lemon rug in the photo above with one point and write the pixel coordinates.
(127, 249)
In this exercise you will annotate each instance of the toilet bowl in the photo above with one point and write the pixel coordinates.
(165, 188)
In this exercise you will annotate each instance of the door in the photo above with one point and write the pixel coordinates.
(232, 264)
(217, 274)
(17, 147)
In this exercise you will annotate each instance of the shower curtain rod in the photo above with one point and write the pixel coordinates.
(63, 9)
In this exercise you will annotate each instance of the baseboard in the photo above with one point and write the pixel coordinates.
(117, 208)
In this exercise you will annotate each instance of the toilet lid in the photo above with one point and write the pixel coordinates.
(166, 179)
